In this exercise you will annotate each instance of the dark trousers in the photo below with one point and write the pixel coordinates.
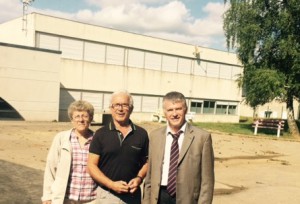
(164, 197)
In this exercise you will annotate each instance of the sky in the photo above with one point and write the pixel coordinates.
(195, 22)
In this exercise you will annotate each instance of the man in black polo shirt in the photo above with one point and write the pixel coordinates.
(118, 155)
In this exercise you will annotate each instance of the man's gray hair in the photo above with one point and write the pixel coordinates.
(175, 97)
(125, 92)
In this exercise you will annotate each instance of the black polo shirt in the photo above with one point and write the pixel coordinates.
(120, 159)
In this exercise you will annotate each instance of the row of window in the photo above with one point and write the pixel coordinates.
(146, 104)
(116, 55)
(213, 107)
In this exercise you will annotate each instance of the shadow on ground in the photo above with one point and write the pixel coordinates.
(20, 184)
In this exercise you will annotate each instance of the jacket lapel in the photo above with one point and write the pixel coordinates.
(160, 146)
(187, 141)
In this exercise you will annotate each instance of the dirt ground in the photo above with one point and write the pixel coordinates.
(248, 169)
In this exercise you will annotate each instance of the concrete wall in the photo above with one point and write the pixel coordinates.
(19, 31)
(104, 77)
(29, 81)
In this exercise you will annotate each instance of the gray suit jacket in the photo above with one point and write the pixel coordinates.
(195, 174)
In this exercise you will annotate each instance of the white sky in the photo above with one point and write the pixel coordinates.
(196, 22)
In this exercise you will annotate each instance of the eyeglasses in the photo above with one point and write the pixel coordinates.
(120, 105)
(80, 117)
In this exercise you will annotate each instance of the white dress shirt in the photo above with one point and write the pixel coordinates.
(166, 160)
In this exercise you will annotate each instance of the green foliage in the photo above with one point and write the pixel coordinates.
(263, 85)
(266, 36)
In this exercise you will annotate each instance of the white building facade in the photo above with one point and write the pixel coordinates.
(91, 62)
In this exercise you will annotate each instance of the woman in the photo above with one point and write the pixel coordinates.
(66, 179)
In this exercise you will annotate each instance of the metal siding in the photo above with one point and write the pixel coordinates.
(236, 71)
(115, 55)
(136, 58)
(94, 52)
(213, 70)
(153, 61)
(72, 49)
(225, 71)
(95, 99)
(200, 68)
(48, 42)
(169, 63)
(137, 103)
(184, 66)
(150, 104)
(106, 101)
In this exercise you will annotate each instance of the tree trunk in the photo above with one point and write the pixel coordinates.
(292, 124)
(291, 119)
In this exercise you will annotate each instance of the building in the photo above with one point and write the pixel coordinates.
(49, 62)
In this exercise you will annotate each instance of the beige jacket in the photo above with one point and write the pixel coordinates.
(57, 168)
(195, 174)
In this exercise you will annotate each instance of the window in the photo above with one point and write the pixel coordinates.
(221, 109)
(196, 107)
(232, 109)
(209, 107)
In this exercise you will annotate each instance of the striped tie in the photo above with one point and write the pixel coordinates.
(171, 187)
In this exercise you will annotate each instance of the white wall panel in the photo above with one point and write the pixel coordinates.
(106, 102)
(115, 55)
(72, 49)
(149, 104)
(200, 68)
(137, 101)
(153, 61)
(225, 71)
(213, 70)
(96, 99)
(184, 66)
(94, 52)
(48, 42)
(236, 71)
(136, 58)
(169, 63)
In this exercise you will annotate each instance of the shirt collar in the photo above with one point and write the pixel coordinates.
(73, 136)
(113, 127)
(182, 128)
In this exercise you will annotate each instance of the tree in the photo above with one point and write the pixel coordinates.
(266, 37)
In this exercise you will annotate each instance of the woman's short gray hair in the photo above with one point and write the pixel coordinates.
(81, 105)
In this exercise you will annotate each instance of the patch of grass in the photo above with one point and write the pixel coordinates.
(234, 128)
(243, 128)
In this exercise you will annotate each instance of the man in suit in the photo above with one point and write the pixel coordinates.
(194, 166)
